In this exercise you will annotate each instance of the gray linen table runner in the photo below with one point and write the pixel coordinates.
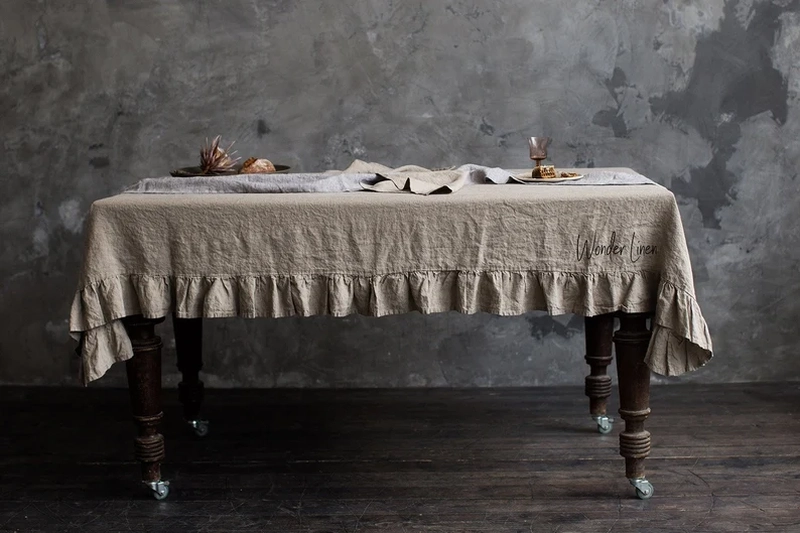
(362, 175)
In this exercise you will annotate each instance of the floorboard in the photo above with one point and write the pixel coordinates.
(726, 458)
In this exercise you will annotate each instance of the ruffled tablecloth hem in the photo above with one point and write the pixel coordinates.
(680, 342)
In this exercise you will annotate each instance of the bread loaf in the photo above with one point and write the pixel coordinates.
(257, 166)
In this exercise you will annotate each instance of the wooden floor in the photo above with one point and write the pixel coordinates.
(725, 459)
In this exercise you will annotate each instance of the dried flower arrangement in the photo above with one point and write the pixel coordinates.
(215, 160)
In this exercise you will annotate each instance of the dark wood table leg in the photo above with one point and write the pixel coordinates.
(189, 348)
(631, 341)
(599, 333)
(144, 385)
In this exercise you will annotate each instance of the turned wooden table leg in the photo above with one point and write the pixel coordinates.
(189, 348)
(144, 385)
(599, 332)
(631, 341)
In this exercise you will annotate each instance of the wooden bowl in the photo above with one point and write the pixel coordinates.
(189, 172)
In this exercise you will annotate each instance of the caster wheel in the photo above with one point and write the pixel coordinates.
(604, 427)
(159, 489)
(644, 489)
(605, 424)
(200, 427)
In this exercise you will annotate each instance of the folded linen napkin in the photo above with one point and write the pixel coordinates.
(362, 175)
(419, 180)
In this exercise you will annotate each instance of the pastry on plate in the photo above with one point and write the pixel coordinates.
(544, 172)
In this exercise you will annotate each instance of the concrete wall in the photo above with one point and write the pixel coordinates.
(700, 95)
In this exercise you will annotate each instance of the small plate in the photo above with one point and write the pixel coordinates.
(190, 172)
(528, 179)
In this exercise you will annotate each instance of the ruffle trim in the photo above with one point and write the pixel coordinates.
(680, 341)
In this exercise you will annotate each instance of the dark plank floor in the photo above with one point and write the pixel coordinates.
(725, 459)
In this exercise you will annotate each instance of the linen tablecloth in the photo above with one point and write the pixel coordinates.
(502, 249)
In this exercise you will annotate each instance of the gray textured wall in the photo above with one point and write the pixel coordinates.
(701, 95)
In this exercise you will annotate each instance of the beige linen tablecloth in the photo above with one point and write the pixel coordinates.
(502, 249)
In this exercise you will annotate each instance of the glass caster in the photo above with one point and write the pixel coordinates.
(200, 427)
(604, 424)
(644, 489)
(159, 489)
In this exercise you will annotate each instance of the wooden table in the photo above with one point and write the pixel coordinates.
(132, 236)
(630, 340)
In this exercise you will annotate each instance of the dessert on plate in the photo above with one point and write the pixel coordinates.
(544, 172)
